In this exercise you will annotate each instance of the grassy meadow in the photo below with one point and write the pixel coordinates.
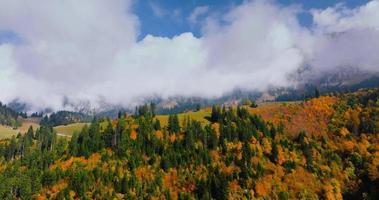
(195, 115)
(8, 132)
(68, 130)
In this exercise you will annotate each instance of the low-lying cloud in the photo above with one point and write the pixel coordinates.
(87, 51)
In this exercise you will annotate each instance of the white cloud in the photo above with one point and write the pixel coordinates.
(68, 45)
(197, 13)
(7, 68)
(87, 50)
(346, 37)
(340, 18)
(157, 10)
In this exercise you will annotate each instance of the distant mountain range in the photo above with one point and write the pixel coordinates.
(341, 80)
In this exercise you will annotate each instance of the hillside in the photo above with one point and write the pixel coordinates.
(7, 132)
(64, 118)
(69, 129)
(8, 116)
(323, 148)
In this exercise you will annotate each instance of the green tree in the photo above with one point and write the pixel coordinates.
(173, 124)
(157, 124)
(216, 113)
(317, 93)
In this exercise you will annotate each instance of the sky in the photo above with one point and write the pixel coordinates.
(170, 17)
(55, 54)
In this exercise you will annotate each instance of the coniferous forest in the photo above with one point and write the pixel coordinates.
(326, 147)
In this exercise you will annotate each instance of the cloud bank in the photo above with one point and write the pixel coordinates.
(87, 51)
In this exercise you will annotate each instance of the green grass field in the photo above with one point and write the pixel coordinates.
(7, 132)
(199, 116)
(68, 130)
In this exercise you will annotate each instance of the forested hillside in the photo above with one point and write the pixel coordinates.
(8, 116)
(323, 148)
(64, 118)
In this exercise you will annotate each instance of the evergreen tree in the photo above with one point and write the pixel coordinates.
(253, 104)
(30, 133)
(317, 93)
(84, 142)
(212, 140)
(152, 109)
(11, 150)
(73, 146)
(198, 107)
(108, 134)
(157, 125)
(215, 114)
(96, 142)
(173, 124)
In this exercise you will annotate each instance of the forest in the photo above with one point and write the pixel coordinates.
(326, 147)
(63, 118)
(9, 117)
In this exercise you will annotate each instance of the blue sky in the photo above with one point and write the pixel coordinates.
(170, 17)
(9, 37)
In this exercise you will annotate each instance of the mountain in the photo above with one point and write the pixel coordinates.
(346, 79)
(342, 80)
(321, 148)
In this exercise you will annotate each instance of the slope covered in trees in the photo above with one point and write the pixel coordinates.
(8, 116)
(64, 118)
(324, 148)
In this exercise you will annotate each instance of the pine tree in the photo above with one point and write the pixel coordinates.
(96, 142)
(317, 93)
(11, 149)
(108, 134)
(216, 113)
(157, 125)
(198, 107)
(152, 109)
(173, 124)
(253, 104)
(73, 146)
(211, 137)
(30, 133)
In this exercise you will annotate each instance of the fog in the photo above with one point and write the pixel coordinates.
(88, 51)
